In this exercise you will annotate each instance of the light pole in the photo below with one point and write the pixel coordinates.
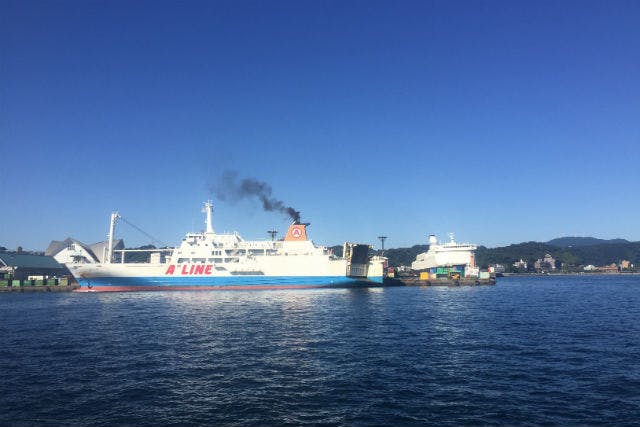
(273, 234)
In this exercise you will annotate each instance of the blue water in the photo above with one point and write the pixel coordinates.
(529, 351)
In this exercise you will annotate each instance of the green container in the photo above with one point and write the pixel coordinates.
(40, 282)
(63, 281)
(4, 282)
(15, 282)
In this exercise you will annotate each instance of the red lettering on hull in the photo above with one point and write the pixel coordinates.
(191, 270)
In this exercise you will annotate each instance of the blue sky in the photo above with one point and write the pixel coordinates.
(501, 121)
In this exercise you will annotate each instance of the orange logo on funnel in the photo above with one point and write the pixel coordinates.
(296, 232)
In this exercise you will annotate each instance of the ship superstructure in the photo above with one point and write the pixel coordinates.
(208, 260)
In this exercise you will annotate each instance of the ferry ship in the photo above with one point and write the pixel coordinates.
(208, 261)
(459, 256)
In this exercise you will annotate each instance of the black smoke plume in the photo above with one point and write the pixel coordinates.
(233, 189)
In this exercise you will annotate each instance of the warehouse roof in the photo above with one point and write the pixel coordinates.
(28, 261)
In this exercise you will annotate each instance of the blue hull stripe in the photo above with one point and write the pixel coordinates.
(230, 281)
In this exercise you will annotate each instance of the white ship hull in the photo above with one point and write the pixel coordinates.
(444, 255)
(225, 261)
(293, 274)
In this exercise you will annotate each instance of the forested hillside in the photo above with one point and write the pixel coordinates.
(598, 254)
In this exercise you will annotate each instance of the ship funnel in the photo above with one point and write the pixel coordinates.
(433, 240)
(297, 232)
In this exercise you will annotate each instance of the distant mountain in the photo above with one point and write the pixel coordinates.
(567, 242)
(403, 256)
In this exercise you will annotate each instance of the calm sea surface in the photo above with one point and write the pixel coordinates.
(529, 351)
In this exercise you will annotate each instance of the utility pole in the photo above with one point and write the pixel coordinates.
(273, 234)
(382, 238)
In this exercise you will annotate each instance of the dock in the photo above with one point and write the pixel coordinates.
(39, 285)
(416, 281)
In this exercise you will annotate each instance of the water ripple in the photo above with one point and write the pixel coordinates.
(529, 351)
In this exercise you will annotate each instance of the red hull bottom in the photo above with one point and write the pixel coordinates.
(189, 288)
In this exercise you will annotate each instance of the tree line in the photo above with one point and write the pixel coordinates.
(570, 257)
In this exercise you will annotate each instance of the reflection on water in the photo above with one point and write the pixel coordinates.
(528, 351)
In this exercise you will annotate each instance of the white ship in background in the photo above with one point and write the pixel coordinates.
(449, 254)
(209, 260)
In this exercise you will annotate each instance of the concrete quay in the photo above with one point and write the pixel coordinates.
(415, 281)
(40, 285)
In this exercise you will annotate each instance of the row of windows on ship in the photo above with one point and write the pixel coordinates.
(259, 244)
(232, 255)
(207, 260)
(240, 252)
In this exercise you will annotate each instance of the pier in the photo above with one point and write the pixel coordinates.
(40, 285)
(445, 281)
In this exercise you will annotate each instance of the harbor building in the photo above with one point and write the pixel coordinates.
(497, 268)
(546, 263)
(522, 264)
(71, 250)
(22, 266)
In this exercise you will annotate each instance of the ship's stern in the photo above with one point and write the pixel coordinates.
(377, 268)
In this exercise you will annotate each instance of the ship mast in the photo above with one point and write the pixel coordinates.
(112, 229)
(208, 207)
